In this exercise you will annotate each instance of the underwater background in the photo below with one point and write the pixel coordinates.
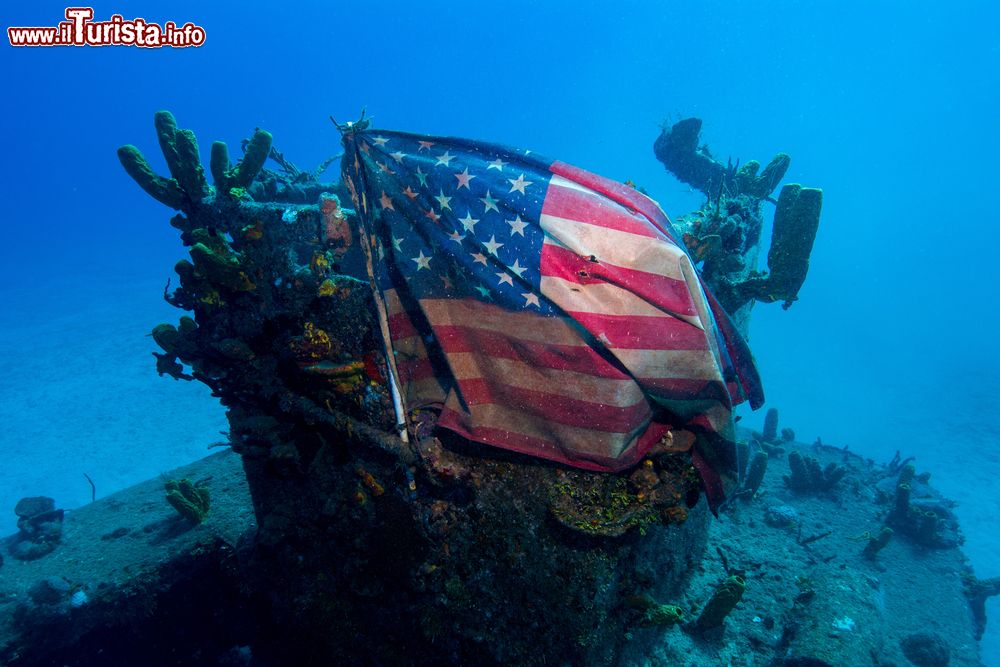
(889, 107)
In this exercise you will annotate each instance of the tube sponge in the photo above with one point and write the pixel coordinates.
(723, 600)
(241, 176)
(189, 500)
(164, 190)
(796, 220)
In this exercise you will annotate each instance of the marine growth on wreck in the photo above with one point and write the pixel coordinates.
(372, 548)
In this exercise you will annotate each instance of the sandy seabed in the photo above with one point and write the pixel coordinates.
(80, 395)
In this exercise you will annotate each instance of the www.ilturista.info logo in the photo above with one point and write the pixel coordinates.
(79, 29)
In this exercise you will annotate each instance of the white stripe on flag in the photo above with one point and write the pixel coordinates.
(611, 246)
(561, 182)
(670, 364)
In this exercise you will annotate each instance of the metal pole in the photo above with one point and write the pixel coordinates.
(390, 357)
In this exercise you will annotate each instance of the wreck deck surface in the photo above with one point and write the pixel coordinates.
(122, 552)
(128, 551)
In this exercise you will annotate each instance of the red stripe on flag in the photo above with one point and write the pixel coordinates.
(556, 408)
(715, 489)
(668, 294)
(401, 326)
(619, 192)
(739, 354)
(579, 359)
(643, 333)
(567, 202)
(542, 448)
(411, 370)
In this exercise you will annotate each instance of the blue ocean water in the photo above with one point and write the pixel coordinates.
(889, 107)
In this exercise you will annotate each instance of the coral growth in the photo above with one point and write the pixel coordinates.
(921, 514)
(796, 221)
(654, 613)
(770, 432)
(756, 470)
(752, 463)
(190, 500)
(610, 506)
(186, 185)
(726, 596)
(259, 281)
(877, 542)
(725, 234)
(336, 230)
(39, 526)
(978, 591)
(229, 178)
(808, 477)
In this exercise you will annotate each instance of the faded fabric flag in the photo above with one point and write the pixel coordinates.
(542, 308)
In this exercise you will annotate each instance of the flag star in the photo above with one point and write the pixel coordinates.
(483, 290)
(365, 148)
(456, 237)
(518, 269)
(479, 257)
(446, 281)
(380, 140)
(422, 176)
(434, 217)
(489, 202)
(492, 245)
(518, 184)
(517, 226)
(386, 201)
(464, 178)
(422, 261)
(496, 164)
(425, 145)
(398, 156)
(384, 168)
(530, 299)
(468, 222)
(409, 192)
(443, 201)
(444, 159)
(396, 242)
(505, 278)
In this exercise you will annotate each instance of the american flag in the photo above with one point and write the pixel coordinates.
(544, 309)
